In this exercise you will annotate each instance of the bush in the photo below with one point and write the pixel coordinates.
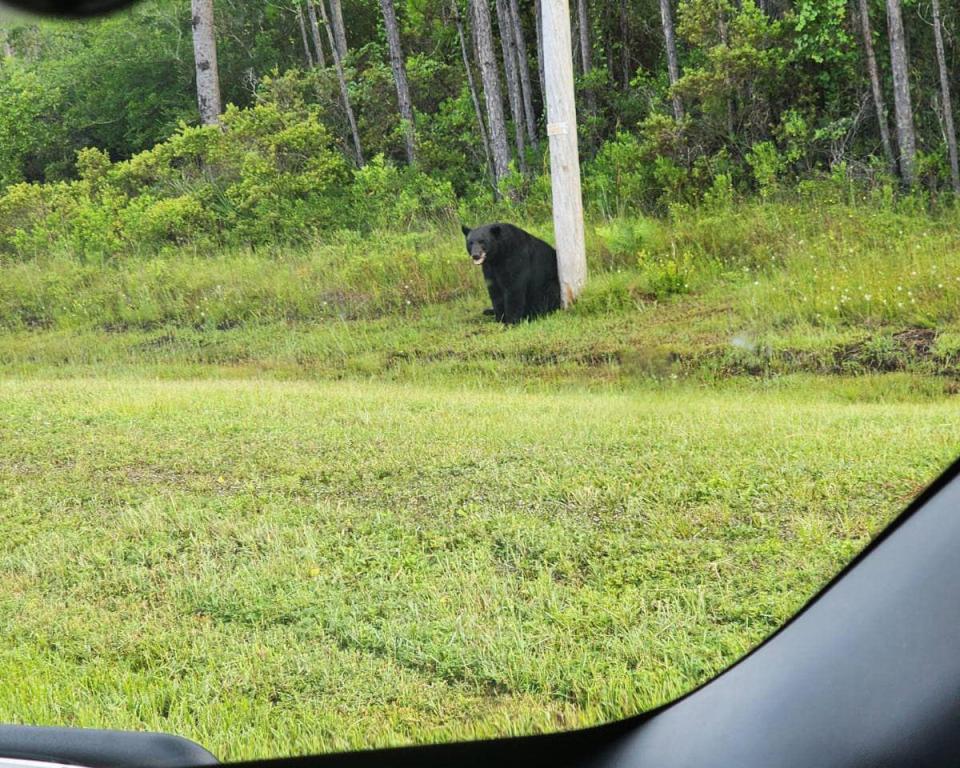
(269, 176)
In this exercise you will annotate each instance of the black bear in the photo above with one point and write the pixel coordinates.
(520, 271)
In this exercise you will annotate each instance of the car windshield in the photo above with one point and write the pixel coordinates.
(338, 410)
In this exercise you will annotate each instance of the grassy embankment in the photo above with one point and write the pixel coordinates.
(263, 502)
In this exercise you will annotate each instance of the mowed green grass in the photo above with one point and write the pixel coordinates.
(279, 567)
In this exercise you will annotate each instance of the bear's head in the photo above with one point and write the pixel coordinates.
(482, 242)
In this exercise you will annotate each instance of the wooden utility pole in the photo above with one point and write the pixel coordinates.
(564, 155)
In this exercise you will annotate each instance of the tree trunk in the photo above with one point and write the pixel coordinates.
(308, 54)
(947, 102)
(523, 63)
(471, 84)
(400, 78)
(339, 31)
(878, 103)
(508, 48)
(725, 39)
(344, 93)
(315, 33)
(583, 29)
(609, 40)
(538, 16)
(903, 109)
(673, 61)
(586, 51)
(625, 44)
(6, 47)
(489, 73)
(205, 57)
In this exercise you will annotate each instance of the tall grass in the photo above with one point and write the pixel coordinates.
(758, 287)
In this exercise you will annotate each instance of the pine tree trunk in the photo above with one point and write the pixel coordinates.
(474, 97)
(725, 39)
(205, 57)
(875, 86)
(947, 102)
(903, 109)
(490, 75)
(339, 31)
(307, 53)
(538, 14)
(583, 32)
(315, 33)
(400, 78)
(586, 51)
(523, 64)
(6, 47)
(625, 44)
(508, 48)
(673, 61)
(609, 39)
(344, 93)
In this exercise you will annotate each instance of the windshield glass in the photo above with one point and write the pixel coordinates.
(310, 440)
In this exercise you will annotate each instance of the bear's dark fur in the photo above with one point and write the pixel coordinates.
(520, 271)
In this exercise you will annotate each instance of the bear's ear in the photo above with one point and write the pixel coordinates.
(495, 231)
(465, 229)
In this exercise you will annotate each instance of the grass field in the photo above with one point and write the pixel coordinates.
(295, 502)
(280, 567)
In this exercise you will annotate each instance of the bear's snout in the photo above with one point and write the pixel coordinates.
(478, 255)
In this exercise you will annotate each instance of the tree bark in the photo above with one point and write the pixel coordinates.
(903, 109)
(315, 33)
(523, 64)
(538, 15)
(583, 29)
(344, 93)
(339, 31)
(400, 78)
(875, 86)
(625, 44)
(947, 102)
(508, 48)
(673, 61)
(490, 75)
(725, 39)
(471, 84)
(205, 58)
(307, 53)
(586, 51)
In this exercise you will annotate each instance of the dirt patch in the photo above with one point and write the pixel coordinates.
(917, 341)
